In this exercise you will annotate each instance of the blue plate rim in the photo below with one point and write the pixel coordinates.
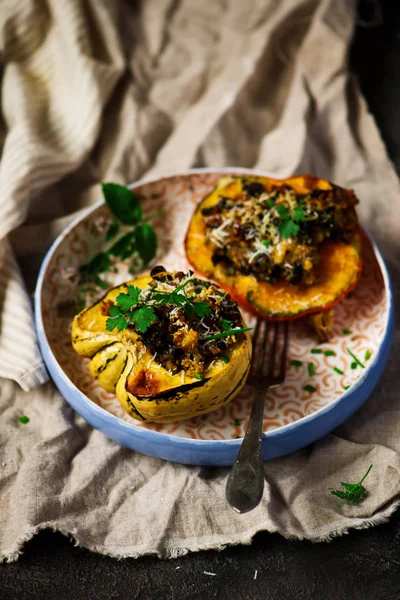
(53, 365)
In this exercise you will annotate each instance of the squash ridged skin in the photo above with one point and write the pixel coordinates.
(339, 270)
(116, 365)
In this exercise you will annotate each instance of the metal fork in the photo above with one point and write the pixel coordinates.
(245, 484)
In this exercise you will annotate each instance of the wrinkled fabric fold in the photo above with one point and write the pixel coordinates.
(101, 91)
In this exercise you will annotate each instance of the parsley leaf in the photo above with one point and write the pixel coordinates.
(282, 211)
(123, 203)
(134, 293)
(299, 214)
(354, 492)
(125, 301)
(288, 229)
(98, 264)
(115, 311)
(112, 231)
(270, 202)
(124, 246)
(142, 318)
(201, 309)
(118, 323)
(225, 324)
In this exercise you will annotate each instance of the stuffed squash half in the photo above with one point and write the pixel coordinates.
(170, 346)
(282, 248)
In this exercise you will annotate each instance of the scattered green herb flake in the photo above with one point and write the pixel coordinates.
(199, 376)
(270, 202)
(329, 353)
(296, 363)
(266, 242)
(237, 423)
(354, 357)
(24, 419)
(346, 332)
(346, 387)
(310, 388)
(225, 358)
(288, 229)
(353, 492)
(338, 371)
(367, 355)
(316, 351)
(353, 365)
(311, 369)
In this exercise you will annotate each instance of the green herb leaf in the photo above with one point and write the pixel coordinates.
(227, 333)
(311, 369)
(100, 283)
(142, 318)
(346, 332)
(266, 242)
(310, 388)
(115, 311)
(98, 264)
(201, 309)
(296, 363)
(299, 214)
(329, 353)
(225, 324)
(134, 293)
(288, 229)
(353, 365)
(24, 419)
(123, 203)
(282, 211)
(316, 351)
(354, 357)
(146, 242)
(367, 355)
(112, 231)
(270, 202)
(346, 387)
(224, 358)
(237, 422)
(118, 323)
(338, 371)
(199, 376)
(124, 246)
(125, 301)
(354, 492)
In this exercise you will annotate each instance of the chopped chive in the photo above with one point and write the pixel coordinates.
(346, 331)
(225, 358)
(353, 356)
(24, 419)
(353, 365)
(329, 353)
(339, 371)
(237, 423)
(367, 355)
(266, 242)
(316, 351)
(310, 388)
(217, 336)
(296, 363)
(310, 368)
(346, 387)
(199, 376)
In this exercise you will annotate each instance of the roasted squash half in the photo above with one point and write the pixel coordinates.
(282, 248)
(172, 370)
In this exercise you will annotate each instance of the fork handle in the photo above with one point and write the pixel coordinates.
(245, 484)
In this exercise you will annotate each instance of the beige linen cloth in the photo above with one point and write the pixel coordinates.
(94, 90)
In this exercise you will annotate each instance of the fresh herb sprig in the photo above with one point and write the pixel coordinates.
(179, 298)
(139, 240)
(289, 225)
(353, 492)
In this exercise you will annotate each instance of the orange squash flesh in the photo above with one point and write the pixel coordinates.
(338, 271)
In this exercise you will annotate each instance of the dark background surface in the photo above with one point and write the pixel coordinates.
(362, 565)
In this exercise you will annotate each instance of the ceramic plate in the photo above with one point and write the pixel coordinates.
(293, 418)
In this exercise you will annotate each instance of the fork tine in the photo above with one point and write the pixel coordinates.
(271, 361)
(256, 355)
(282, 369)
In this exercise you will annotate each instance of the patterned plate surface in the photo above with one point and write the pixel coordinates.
(366, 314)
